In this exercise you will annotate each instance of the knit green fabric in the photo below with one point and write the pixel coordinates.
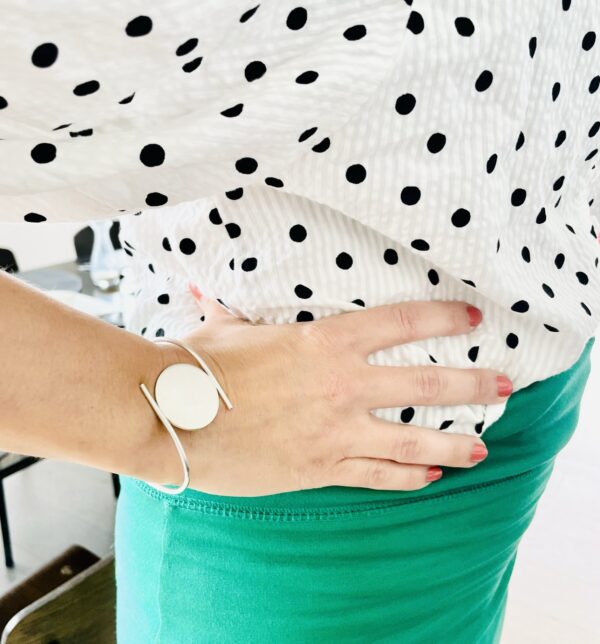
(344, 564)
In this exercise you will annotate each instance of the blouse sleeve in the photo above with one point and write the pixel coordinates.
(119, 106)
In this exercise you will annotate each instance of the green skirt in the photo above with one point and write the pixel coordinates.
(342, 564)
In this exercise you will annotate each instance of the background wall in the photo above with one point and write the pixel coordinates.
(553, 596)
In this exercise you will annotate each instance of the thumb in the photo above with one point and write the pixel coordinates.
(212, 309)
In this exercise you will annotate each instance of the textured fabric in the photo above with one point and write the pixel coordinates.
(304, 160)
(345, 564)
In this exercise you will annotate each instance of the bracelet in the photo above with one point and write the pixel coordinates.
(185, 422)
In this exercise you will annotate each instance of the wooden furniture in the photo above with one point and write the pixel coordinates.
(80, 610)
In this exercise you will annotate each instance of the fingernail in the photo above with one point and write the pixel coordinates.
(479, 452)
(195, 291)
(504, 386)
(434, 473)
(474, 315)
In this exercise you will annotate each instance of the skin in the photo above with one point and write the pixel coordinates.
(301, 393)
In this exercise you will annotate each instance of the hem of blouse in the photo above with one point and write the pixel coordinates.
(231, 510)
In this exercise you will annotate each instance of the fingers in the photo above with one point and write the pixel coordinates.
(380, 474)
(391, 386)
(372, 329)
(212, 309)
(411, 444)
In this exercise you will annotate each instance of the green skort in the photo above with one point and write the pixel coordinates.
(342, 564)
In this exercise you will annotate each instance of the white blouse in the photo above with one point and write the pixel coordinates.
(300, 160)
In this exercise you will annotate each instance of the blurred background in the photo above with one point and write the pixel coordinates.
(50, 506)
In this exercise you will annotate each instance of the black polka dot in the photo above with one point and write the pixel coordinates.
(164, 298)
(307, 134)
(588, 40)
(359, 302)
(187, 246)
(419, 244)
(446, 424)
(479, 427)
(410, 195)
(484, 80)
(248, 14)
(520, 141)
(549, 292)
(322, 146)
(305, 78)
(43, 153)
(521, 306)
(274, 182)
(34, 218)
(532, 46)
(594, 84)
(559, 260)
(356, 173)
(405, 104)
(355, 33)
(555, 91)
(415, 22)
(433, 277)
(518, 197)
(560, 138)
(151, 268)
(464, 26)
(296, 18)
(344, 261)
(512, 340)
(249, 264)
(302, 291)
(298, 233)
(472, 353)
(236, 110)
(233, 230)
(45, 55)
(407, 414)
(461, 217)
(231, 263)
(557, 185)
(140, 26)
(87, 88)
(304, 316)
(246, 165)
(436, 142)
(236, 194)
(143, 331)
(541, 216)
(192, 65)
(186, 47)
(582, 277)
(3, 103)
(152, 155)
(156, 199)
(214, 216)
(166, 244)
(127, 99)
(594, 129)
(592, 154)
(159, 333)
(255, 70)
(491, 163)
(585, 308)
(390, 256)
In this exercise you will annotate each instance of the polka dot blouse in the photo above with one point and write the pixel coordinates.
(300, 160)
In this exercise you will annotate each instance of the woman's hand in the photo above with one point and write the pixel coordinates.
(302, 395)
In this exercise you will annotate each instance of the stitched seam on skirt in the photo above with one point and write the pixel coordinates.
(163, 539)
(215, 508)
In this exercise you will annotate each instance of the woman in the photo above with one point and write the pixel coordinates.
(339, 182)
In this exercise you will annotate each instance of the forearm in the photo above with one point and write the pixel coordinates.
(69, 388)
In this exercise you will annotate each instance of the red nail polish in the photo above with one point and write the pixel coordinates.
(479, 453)
(474, 315)
(504, 386)
(434, 473)
(195, 291)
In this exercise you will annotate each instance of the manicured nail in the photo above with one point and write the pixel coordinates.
(504, 386)
(434, 473)
(195, 291)
(479, 453)
(474, 315)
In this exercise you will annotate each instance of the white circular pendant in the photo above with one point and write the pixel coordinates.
(187, 396)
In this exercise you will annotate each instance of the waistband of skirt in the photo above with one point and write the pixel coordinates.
(537, 423)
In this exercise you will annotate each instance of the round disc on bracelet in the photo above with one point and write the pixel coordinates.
(187, 396)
